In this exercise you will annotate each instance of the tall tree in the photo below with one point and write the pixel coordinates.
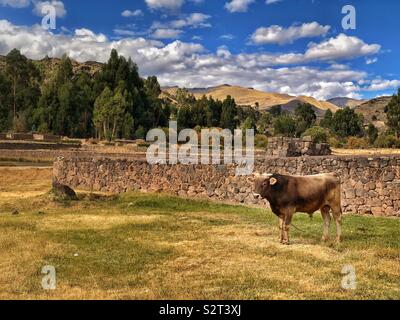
(305, 118)
(326, 122)
(228, 114)
(393, 114)
(346, 123)
(5, 102)
(24, 78)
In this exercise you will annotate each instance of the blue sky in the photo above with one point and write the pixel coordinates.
(288, 46)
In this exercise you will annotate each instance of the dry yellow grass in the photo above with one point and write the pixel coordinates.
(150, 246)
(366, 152)
(246, 96)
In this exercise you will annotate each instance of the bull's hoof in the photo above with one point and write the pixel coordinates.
(338, 240)
(286, 242)
(325, 239)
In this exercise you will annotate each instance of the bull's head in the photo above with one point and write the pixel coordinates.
(264, 184)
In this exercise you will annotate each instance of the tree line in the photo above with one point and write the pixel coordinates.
(117, 103)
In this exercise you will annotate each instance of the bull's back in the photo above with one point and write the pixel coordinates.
(314, 192)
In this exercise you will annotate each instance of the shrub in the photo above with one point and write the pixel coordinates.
(357, 143)
(318, 134)
(387, 141)
(372, 133)
(335, 142)
(285, 125)
(261, 141)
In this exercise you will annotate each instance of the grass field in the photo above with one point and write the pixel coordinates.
(152, 246)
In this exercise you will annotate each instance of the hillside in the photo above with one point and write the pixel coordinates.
(249, 96)
(374, 111)
(343, 102)
(47, 66)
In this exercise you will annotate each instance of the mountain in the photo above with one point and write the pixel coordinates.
(343, 102)
(374, 111)
(250, 97)
(48, 66)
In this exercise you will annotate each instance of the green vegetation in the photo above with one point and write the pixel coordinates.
(393, 113)
(115, 102)
(318, 134)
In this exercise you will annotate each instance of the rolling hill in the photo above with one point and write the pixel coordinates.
(374, 111)
(343, 102)
(48, 66)
(250, 97)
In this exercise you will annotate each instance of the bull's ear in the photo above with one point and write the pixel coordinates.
(273, 181)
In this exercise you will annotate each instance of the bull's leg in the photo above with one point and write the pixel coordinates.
(337, 215)
(286, 227)
(327, 222)
(281, 226)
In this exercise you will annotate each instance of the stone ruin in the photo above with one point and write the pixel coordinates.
(291, 147)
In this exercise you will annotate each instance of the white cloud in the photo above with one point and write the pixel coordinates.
(227, 37)
(58, 5)
(15, 3)
(129, 13)
(193, 20)
(341, 47)
(124, 32)
(280, 35)
(238, 5)
(381, 84)
(165, 4)
(190, 65)
(166, 33)
(371, 60)
(272, 1)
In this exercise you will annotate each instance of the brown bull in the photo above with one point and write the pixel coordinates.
(290, 194)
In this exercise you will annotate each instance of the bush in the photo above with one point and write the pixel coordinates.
(140, 133)
(318, 134)
(335, 142)
(387, 141)
(261, 141)
(357, 143)
(285, 125)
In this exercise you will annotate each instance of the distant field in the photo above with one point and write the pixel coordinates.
(160, 247)
(365, 152)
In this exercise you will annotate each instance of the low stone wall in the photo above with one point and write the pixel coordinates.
(30, 137)
(296, 147)
(370, 185)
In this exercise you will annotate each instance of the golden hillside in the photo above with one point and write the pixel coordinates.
(248, 96)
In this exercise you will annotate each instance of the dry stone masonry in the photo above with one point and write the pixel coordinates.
(369, 185)
(288, 147)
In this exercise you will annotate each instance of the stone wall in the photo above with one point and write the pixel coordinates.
(288, 147)
(370, 185)
(30, 137)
